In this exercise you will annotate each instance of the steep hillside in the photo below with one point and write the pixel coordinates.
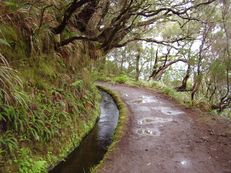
(48, 100)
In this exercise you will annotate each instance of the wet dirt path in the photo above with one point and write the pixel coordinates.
(164, 137)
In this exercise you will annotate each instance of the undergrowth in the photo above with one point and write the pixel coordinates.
(48, 101)
(43, 114)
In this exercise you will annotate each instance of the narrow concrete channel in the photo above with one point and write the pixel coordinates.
(94, 146)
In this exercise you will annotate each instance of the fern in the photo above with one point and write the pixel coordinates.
(8, 143)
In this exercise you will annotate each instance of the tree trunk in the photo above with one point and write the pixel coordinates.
(157, 73)
(137, 67)
(183, 86)
(196, 86)
(67, 15)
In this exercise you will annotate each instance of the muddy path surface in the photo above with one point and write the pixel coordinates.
(164, 137)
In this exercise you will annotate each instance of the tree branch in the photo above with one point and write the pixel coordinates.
(67, 15)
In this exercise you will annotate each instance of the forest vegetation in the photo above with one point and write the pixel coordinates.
(52, 52)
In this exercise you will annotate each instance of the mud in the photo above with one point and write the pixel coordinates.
(164, 137)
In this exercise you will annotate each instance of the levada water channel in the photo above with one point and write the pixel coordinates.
(95, 144)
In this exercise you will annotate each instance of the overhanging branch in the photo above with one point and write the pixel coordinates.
(151, 40)
(67, 15)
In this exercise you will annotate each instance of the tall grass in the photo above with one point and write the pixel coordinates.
(9, 82)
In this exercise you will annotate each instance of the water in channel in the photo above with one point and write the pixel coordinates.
(95, 144)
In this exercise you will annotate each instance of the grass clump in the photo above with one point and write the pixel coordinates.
(182, 98)
(121, 79)
(29, 165)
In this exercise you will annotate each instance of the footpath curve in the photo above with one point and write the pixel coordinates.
(164, 137)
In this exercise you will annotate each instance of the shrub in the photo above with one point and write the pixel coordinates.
(121, 79)
(28, 165)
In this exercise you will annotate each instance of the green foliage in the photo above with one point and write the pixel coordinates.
(170, 30)
(17, 51)
(217, 69)
(86, 77)
(41, 107)
(28, 165)
(46, 69)
(45, 110)
(4, 42)
(226, 113)
(21, 98)
(9, 80)
(182, 98)
(8, 143)
(49, 115)
(121, 79)
(13, 4)
(78, 84)
(101, 77)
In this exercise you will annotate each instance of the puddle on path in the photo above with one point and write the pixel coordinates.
(153, 120)
(184, 163)
(126, 95)
(168, 110)
(155, 131)
(148, 132)
(145, 99)
(142, 109)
